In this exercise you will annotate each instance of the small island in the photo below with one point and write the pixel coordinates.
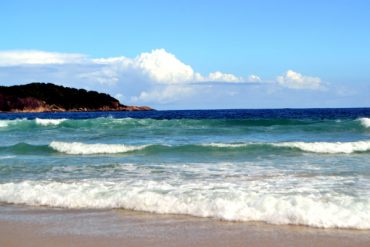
(48, 97)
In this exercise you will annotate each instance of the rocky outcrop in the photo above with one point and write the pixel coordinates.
(48, 97)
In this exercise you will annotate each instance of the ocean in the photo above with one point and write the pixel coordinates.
(307, 167)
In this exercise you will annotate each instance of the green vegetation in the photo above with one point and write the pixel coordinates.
(54, 97)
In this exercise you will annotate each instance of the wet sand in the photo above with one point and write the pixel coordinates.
(27, 226)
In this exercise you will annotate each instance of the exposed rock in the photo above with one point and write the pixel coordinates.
(47, 97)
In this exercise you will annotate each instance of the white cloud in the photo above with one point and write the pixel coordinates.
(152, 77)
(157, 66)
(29, 57)
(254, 78)
(105, 75)
(223, 77)
(162, 66)
(295, 80)
(165, 95)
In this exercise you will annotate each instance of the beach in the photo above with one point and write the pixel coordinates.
(27, 226)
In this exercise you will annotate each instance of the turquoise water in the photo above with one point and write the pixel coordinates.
(304, 167)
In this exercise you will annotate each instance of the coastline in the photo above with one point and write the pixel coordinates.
(47, 97)
(23, 225)
(47, 110)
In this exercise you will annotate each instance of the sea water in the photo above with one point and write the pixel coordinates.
(304, 167)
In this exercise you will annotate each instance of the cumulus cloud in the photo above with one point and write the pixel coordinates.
(162, 66)
(151, 77)
(13, 58)
(157, 66)
(295, 80)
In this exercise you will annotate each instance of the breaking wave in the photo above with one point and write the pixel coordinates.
(204, 124)
(7, 123)
(328, 147)
(46, 122)
(280, 148)
(365, 122)
(313, 147)
(83, 148)
(203, 199)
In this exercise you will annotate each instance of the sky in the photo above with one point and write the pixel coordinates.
(193, 54)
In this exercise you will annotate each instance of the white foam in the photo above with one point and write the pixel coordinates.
(314, 147)
(225, 145)
(3, 123)
(203, 198)
(46, 122)
(6, 123)
(365, 122)
(328, 147)
(83, 148)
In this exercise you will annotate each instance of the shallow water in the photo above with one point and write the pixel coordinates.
(303, 167)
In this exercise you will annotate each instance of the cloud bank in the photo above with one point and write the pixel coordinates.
(14, 58)
(156, 77)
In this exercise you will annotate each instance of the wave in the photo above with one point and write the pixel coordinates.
(278, 148)
(203, 199)
(328, 147)
(227, 145)
(26, 148)
(83, 148)
(3, 124)
(365, 122)
(307, 125)
(23, 123)
(7, 123)
(46, 122)
(313, 147)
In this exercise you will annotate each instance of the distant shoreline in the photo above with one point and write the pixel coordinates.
(47, 97)
(127, 108)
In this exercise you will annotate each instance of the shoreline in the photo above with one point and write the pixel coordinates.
(123, 109)
(38, 226)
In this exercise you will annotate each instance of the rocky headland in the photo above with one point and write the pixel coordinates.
(48, 97)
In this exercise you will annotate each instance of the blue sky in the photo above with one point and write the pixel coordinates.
(194, 54)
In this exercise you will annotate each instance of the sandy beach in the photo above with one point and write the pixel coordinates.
(27, 226)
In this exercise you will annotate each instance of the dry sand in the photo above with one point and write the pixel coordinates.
(25, 226)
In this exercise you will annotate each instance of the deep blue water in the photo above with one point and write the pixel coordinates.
(329, 113)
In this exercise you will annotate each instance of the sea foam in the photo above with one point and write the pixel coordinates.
(225, 145)
(203, 199)
(7, 123)
(3, 123)
(365, 122)
(328, 147)
(83, 148)
(313, 147)
(46, 122)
